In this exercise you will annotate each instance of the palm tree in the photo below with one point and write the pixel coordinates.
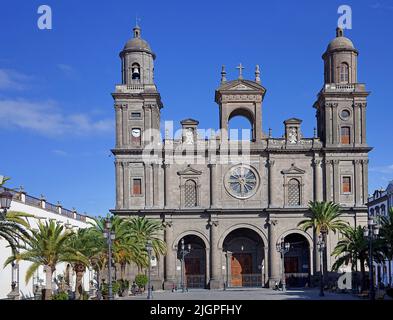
(86, 242)
(353, 247)
(387, 238)
(145, 230)
(46, 246)
(13, 228)
(13, 224)
(325, 217)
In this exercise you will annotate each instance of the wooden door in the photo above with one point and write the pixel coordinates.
(241, 263)
(291, 264)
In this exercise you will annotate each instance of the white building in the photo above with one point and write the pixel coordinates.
(378, 206)
(42, 210)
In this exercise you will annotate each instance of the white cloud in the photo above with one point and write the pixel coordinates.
(46, 118)
(382, 6)
(383, 169)
(66, 69)
(60, 153)
(11, 79)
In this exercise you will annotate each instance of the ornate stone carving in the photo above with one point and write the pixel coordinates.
(331, 104)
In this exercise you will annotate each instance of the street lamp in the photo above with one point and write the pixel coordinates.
(149, 249)
(321, 248)
(371, 233)
(5, 202)
(109, 235)
(283, 247)
(183, 253)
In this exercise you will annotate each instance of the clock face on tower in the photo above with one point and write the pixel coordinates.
(136, 133)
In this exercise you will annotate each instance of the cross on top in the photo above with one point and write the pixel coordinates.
(240, 67)
(137, 20)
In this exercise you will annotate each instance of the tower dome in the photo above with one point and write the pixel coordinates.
(137, 44)
(340, 60)
(137, 60)
(340, 42)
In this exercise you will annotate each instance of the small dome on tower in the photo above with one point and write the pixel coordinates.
(340, 42)
(137, 44)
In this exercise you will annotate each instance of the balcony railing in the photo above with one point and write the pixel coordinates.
(43, 204)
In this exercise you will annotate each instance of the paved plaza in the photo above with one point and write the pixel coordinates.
(245, 294)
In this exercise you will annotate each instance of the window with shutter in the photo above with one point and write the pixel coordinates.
(137, 186)
(345, 135)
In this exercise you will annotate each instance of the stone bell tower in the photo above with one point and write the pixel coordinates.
(341, 105)
(137, 106)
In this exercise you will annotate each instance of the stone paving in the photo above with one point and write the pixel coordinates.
(245, 294)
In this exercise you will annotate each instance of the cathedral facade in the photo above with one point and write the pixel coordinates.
(234, 200)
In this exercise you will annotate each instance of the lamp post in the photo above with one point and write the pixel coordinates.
(5, 202)
(283, 247)
(371, 233)
(149, 249)
(321, 248)
(183, 253)
(109, 235)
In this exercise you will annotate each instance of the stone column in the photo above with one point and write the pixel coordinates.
(363, 116)
(166, 184)
(119, 184)
(328, 123)
(336, 181)
(334, 123)
(274, 255)
(158, 279)
(213, 185)
(148, 185)
(156, 188)
(317, 180)
(358, 183)
(147, 128)
(365, 180)
(126, 183)
(357, 124)
(328, 178)
(170, 258)
(119, 135)
(215, 282)
(270, 164)
(125, 135)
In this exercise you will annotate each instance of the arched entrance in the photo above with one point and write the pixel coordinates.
(194, 262)
(244, 251)
(297, 261)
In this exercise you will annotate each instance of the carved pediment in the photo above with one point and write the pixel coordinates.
(293, 170)
(189, 171)
(241, 85)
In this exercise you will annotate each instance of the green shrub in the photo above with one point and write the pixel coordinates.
(141, 280)
(115, 288)
(124, 284)
(389, 292)
(60, 296)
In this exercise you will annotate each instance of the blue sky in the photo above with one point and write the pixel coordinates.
(56, 111)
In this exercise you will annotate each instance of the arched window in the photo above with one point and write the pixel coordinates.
(135, 71)
(190, 192)
(344, 73)
(345, 135)
(293, 193)
(241, 125)
(383, 210)
(372, 212)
